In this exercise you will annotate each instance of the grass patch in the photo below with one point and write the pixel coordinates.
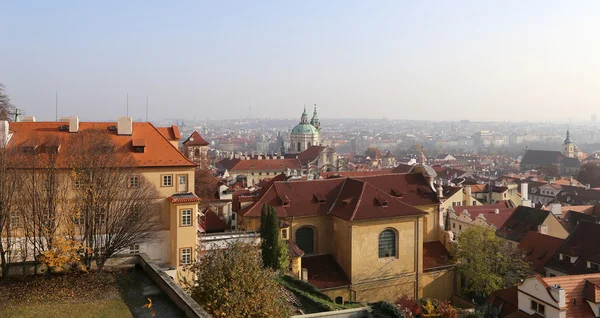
(62, 295)
(97, 309)
(313, 300)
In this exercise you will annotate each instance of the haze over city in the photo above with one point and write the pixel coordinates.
(534, 60)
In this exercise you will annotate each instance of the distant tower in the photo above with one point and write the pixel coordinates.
(594, 118)
(315, 120)
(568, 146)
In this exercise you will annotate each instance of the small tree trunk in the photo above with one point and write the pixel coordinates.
(4, 266)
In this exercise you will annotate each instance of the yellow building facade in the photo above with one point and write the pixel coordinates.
(156, 160)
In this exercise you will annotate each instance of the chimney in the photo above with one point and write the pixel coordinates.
(468, 195)
(497, 211)
(125, 126)
(4, 134)
(559, 294)
(556, 209)
(543, 229)
(73, 124)
(587, 186)
(524, 191)
(440, 191)
(304, 275)
(28, 119)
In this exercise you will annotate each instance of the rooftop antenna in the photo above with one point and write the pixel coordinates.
(56, 106)
(127, 104)
(146, 108)
(16, 113)
(250, 110)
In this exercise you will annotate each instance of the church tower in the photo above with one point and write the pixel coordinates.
(315, 120)
(569, 147)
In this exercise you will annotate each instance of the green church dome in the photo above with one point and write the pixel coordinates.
(305, 129)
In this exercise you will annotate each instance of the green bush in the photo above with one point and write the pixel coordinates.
(383, 309)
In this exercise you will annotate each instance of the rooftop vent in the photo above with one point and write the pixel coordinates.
(112, 128)
(63, 128)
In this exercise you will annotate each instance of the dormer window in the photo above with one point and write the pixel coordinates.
(381, 202)
(138, 145)
(565, 257)
(285, 201)
(396, 193)
(593, 266)
(320, 198)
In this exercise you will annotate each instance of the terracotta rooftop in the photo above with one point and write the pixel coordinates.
(574, 286)
(213, 223)
(324, 272)
(195, 140)
(337, 174)
(539, 248)
(184, 198)
(159, 152)
(260, 164)
(435, 255)
(581, 243)
(521, 221)
(347, 198)
(171, 133)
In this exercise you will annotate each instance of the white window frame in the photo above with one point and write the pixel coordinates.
(186, 219)
(134, 249)
(165, 178)
(185, 257)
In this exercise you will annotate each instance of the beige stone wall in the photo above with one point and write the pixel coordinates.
(389, 290)
(296, 267)
(439, 284)
(366, 264)
(555, 228)
(343, 292)
(322, 230)
(342, 250)
(430, 222)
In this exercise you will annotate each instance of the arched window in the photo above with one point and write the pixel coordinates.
(305, 239)
(387, 244)
(339, 300)
(299, 146)
(197, 154)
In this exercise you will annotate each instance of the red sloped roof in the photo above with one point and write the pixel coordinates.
(266, 164)
(159, 152)
(347, 198)
(195, 140)
(213, 223)
(171, 133)
(435, 255)
(539, 248)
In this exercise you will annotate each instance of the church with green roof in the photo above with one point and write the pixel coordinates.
(306, 134)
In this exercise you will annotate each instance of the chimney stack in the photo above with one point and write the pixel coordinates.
(125, 126)
(559, 294)
(497, 211)
(28, 119)
(543, 229)
(73, 124)
(4, 134)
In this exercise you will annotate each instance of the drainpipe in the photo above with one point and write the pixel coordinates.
(417, 259)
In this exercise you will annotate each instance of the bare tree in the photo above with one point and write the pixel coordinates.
(116, 207)
(9, 188)
(46, 206)
(5, 105)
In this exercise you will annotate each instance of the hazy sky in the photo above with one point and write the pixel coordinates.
(443, 60)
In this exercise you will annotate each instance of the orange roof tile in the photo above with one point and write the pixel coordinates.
(171, 133)
(159, 152)
(195, 140)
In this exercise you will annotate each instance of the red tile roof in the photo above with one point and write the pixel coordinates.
(195, 140)
(260, 164)
(324, 272)
(213, 223)
(336, 174)
(435, 255)
(402, 168)
(171, 133)
(159, 152)
(347, 198)
(539, 248)
(412, 187)
(293, 250)
(574, 286)
(581, 243)
(183, 198)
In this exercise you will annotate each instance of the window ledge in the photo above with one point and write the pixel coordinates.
(387, 260)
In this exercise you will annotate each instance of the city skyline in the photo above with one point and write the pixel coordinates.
(446, 61)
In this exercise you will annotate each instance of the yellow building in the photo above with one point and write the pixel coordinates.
(155, 158)
(363, 238)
